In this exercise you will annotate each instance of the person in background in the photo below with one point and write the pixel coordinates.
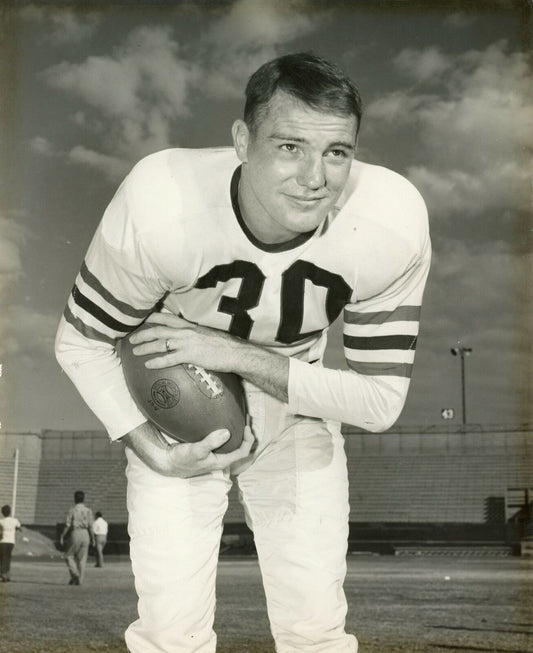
(100, 528)
(8, 527)
(79, 528)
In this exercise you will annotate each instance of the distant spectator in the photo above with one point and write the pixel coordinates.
(8, 526)
(79, 528)
(100, 528)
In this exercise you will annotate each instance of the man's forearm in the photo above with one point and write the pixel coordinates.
(149, 445)
(265, 369)
(173, 340)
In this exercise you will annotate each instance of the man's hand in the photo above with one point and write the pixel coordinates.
(185, 460)
(174, 340)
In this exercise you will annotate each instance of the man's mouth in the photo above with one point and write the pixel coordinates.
(305, 201)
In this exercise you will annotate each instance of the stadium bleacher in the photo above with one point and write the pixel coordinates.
(407, 483)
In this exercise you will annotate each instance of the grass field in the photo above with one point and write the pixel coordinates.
(402, 604)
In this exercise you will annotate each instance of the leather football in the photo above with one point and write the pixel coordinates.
(185, 402)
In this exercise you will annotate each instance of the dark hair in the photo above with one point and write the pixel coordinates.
(98, 514)
(308, 78)
(79, 496)
(6, 510)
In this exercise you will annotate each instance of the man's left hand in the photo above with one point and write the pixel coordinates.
(174, 340)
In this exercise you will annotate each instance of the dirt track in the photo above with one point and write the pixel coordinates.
(397, 605)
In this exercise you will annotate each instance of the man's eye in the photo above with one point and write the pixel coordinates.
(289, 147)
(338, 154)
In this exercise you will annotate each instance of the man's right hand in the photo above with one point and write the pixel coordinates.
(185, 460)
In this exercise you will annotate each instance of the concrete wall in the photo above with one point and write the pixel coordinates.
(29, 447)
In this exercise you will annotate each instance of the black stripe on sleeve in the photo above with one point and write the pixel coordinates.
(96, 285)
(381, 342)
(98, 313)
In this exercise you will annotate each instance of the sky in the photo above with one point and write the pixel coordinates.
(448, 102)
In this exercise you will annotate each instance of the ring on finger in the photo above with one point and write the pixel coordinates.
(167, 346)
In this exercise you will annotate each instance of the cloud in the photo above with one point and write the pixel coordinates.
(25, 331)
(248, 35)
(28, 333)
(145, 72)
(226, 78)
(474, 136)
(476, 293)
(454, 191)
(396, 109)
(489, 104)
(135, 94)
(13, 235)
(103, 83)
(253, 25)
(42, 145)
(423, 66)
(133, 98)
(110, 166)
(62, 25)
(484, 96)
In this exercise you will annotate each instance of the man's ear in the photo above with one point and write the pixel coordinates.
(241, 138)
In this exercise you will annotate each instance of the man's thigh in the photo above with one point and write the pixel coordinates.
(175, 527)
(301, 474)
(296, 498)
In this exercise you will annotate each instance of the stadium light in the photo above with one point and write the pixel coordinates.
(462, 352)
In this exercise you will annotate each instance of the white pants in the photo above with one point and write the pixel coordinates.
(294, 491)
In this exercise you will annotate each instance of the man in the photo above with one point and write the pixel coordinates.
(8, 527)
(100, 528)
(79, 528)
(253, 252)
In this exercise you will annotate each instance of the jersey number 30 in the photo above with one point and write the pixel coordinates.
(338, 293)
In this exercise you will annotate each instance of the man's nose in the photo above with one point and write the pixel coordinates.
(311, 173)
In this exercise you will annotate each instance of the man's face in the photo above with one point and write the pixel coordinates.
(294, 167)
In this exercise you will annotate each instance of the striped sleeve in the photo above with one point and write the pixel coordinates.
(116, 289)
(380, 337)
(382, 343)
(94, 310)
(96, 313)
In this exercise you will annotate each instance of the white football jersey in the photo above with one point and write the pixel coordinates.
(173, 237)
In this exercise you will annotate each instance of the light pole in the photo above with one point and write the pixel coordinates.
(15, 483)
(462, 352)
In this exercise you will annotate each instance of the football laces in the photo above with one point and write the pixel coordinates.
(205, 377)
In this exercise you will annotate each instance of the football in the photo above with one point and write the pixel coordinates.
(185, 401)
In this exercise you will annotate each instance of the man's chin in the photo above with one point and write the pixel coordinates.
(303, 223)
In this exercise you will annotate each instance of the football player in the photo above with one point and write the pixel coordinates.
(253, 252)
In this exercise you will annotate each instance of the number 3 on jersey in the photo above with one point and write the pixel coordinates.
(292, 299)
